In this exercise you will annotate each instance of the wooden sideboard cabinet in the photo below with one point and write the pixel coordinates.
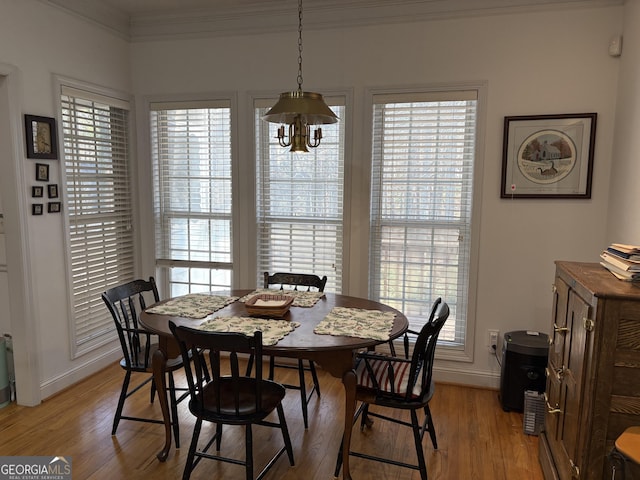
(593, 371)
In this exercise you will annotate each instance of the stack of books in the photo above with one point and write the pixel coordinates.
(623, 261)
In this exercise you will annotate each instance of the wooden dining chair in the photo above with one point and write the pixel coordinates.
(125, 302)
(231, 399)
(296, 280)
(400, 383)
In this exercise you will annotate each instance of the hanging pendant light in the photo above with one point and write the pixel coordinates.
(299, 110)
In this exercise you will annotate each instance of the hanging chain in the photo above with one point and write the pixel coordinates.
(300, 45)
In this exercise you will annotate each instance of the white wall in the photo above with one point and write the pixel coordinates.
(624, 216)
(36, 42)
(534, 63)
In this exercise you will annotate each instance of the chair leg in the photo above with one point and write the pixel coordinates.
(188, 466)
(304, 400)
(365, 421)
(152, 393)
(417, 437)
(249, 452)
(303, 394)
(174, 409)
(336, 473)
(285, 434)
(123, 396)
(218, 436)
(430, 427)
(314, 376)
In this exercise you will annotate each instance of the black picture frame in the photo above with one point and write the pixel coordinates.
(52, 190)
(41, 137)
(42, 172)
(548, 156)
(37, 191)
(37, 208)
(54, 207)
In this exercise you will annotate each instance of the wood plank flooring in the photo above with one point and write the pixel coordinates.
(477, 440)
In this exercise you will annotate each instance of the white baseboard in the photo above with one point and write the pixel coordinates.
(467, 377)
(80, 372)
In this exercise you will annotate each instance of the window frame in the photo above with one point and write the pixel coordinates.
(162, 266)
(341, 100)
(465, 352)
(91, 92)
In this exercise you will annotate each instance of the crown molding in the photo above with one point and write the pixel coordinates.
(97, 12)
(261, 16)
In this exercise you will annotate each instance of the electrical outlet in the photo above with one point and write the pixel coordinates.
(493, 336)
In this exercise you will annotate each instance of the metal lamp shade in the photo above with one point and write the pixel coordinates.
(309, 107)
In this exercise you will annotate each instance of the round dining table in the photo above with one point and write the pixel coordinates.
(334, 353)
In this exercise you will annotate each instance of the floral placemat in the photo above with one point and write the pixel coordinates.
(357, 322)
(193, 305)
(272, 330)
(300, 298)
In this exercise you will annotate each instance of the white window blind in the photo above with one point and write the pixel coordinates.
(299, 201)
(421, 199)
(100, 245)
(191, 153)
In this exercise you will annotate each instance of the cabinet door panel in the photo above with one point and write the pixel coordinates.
(572, 383)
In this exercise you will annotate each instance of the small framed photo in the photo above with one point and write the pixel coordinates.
(52, 190)
(36, 209)
(42, 172)
(53, 207)
(37, 191)
(548, 156)
(41, 137)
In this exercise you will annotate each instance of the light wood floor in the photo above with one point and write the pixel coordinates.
(477, 440)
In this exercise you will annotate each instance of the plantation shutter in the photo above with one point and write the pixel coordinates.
(421, 199)
(100, 243)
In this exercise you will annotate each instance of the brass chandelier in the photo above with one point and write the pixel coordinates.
(299, 110)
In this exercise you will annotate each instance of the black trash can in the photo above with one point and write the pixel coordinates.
(524, 359)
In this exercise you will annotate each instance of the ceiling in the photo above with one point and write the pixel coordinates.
(140, 20)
